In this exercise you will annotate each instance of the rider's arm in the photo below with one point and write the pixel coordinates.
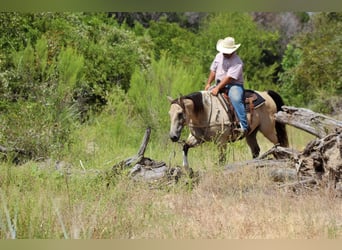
(211, 78)
(221, 85)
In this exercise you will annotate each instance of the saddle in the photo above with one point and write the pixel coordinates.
(252, 101)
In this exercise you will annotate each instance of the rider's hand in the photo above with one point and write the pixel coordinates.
(207, 86)
(215, 91)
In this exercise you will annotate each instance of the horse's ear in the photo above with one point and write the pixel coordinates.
(170, 99)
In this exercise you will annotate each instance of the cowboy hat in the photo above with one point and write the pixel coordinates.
(227, 45)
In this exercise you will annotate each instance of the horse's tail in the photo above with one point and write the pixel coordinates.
(280, 127)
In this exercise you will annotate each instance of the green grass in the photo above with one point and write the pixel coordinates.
(40, 202)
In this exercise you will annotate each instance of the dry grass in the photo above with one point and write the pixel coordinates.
(42, 203)
(246, 206)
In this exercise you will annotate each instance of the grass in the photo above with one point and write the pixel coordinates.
(40, 202)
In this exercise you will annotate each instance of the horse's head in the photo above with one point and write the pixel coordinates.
(183, 110)
(177, 118)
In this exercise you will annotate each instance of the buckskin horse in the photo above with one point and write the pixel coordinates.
(210, 118)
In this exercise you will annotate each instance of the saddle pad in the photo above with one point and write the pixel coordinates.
(257, 99)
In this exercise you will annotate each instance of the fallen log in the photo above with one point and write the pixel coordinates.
(322, 158)
(19, 155)
(307, 120)
(278, 170)
(320, 163)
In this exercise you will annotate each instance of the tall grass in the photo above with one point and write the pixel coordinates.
(74, 194)
(41, 201)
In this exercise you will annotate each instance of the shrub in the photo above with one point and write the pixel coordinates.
(312, 65)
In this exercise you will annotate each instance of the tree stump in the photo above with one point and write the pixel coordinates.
(321, 160)
(320, 163)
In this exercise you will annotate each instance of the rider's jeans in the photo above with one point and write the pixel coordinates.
(236, 96)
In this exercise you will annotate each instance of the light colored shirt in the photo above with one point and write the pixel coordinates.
(232, 67)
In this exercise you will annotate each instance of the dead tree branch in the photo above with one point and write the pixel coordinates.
(309, 121)
(146, 169)
(320, 163)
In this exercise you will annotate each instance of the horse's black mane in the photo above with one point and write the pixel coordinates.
(197, 99)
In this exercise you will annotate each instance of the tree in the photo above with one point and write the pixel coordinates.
(288, 24)
(172, 39)
(313, 65)
(53, 67)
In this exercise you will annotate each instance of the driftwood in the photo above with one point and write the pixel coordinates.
(19, 155)
(146, 169)
(309, 121)
(320, 163)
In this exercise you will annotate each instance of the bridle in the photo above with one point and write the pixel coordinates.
(180, 103)
(205, 126)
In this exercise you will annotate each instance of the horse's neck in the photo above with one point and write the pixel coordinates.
(219, 110)
(215, 112)
(222, 103)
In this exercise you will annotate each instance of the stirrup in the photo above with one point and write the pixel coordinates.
(241, 133)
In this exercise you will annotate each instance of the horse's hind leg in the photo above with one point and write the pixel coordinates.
(253, 143)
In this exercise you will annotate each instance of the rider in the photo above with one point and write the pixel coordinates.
(227, 71)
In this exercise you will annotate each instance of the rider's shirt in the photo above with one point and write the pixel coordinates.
(228, 67)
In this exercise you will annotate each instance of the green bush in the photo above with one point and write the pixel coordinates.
(312, 65)
(70, 67)
(178, 43)
(39, 113)
(63, 66)
(150, 88)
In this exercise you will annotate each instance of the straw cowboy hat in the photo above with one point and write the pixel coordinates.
(227, 45)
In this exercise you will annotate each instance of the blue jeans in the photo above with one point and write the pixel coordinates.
(236, 95)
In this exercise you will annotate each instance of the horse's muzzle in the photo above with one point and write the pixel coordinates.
(174, 138)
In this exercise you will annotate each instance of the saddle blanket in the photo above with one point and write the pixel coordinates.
(251, 95)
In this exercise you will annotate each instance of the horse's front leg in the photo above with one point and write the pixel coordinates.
(185, 156)
(223, 151)
(190, 142)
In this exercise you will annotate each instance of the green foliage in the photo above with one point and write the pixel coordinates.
(37, 129)
(37, 119)
(24, 62)
(56, 65)
(177, 42)
(312, 65)
(292, 93)
(70, 70)
(255, 44)
(150, 88)
(42, 57)
(111, 57)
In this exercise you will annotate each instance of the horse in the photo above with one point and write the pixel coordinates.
(209, 118)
